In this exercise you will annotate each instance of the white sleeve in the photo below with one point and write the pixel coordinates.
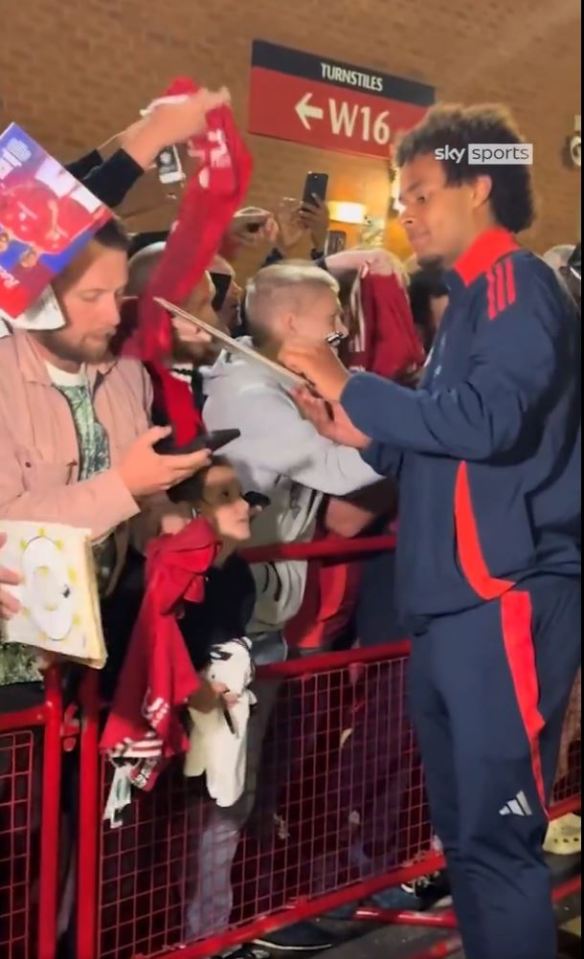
(276, 438)
(279, 594)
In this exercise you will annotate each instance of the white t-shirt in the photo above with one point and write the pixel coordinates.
(64, 378)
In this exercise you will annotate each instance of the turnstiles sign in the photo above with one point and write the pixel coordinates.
(328, 104)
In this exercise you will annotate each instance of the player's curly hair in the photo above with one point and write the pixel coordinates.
(512, 197)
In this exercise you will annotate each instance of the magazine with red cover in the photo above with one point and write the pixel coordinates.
(46, 218)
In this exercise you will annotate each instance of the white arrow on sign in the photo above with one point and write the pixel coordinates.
(307, 112)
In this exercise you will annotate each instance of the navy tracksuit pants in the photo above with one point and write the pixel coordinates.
(489, 689)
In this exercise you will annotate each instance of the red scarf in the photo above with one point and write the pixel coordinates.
(209, 202)
(387, 342)
(158, 676)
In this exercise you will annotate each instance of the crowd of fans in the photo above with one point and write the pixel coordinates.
(80, 428)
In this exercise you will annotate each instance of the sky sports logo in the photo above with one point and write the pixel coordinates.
(489, 154)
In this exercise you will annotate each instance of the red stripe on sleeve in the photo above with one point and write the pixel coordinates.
(500, 287)
(510, 281)
(491, 295)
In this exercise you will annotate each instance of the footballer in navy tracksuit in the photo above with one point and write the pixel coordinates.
(487, 453)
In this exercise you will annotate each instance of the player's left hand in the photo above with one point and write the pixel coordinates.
(330, 420)
(318, 363)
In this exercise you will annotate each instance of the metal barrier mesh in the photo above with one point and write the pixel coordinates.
(569, 778)
(338, 798)
(16, 843)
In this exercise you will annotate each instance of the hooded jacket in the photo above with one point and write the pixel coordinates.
(281, 455)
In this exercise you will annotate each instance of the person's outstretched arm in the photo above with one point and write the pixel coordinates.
(167, 123)
(519, 357)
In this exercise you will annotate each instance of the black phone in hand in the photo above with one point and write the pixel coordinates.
(315, 187)
(205, 441)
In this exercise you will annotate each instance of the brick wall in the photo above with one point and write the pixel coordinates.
(74, 74)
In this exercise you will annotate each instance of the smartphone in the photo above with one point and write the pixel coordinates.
(315, 185)
(205, 441)
(169, 167)
(221, 282)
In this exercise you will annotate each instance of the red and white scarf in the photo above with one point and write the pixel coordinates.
(212, 196)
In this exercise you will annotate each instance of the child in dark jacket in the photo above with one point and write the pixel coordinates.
(208, 627)
(215, 494)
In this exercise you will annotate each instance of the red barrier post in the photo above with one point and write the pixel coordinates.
(89, 820)
(50, 816)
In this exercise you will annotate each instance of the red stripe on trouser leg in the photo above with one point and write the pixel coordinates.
(517, 626)
(470, 553)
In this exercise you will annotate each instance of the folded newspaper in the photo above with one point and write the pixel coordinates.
(58, 594)
(46, 218)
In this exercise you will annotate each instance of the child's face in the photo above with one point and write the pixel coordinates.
(222, 504)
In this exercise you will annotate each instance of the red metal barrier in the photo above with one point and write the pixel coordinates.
(446, 920)
(90, 813)
(335, 547)
(17, 757)
(339, 741)
(30, 783)
(340, 814)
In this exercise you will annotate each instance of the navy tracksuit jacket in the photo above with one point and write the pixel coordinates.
(488, 575)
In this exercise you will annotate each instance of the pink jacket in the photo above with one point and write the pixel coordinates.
(39, 453)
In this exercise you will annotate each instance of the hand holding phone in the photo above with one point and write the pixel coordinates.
(169, 166)
(315, 188)
(168, 163)
(205, 441)
(291, 229)
(143, 471)
(316, 220)
(181, 117)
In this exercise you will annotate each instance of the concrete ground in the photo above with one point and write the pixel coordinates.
(404, 943)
